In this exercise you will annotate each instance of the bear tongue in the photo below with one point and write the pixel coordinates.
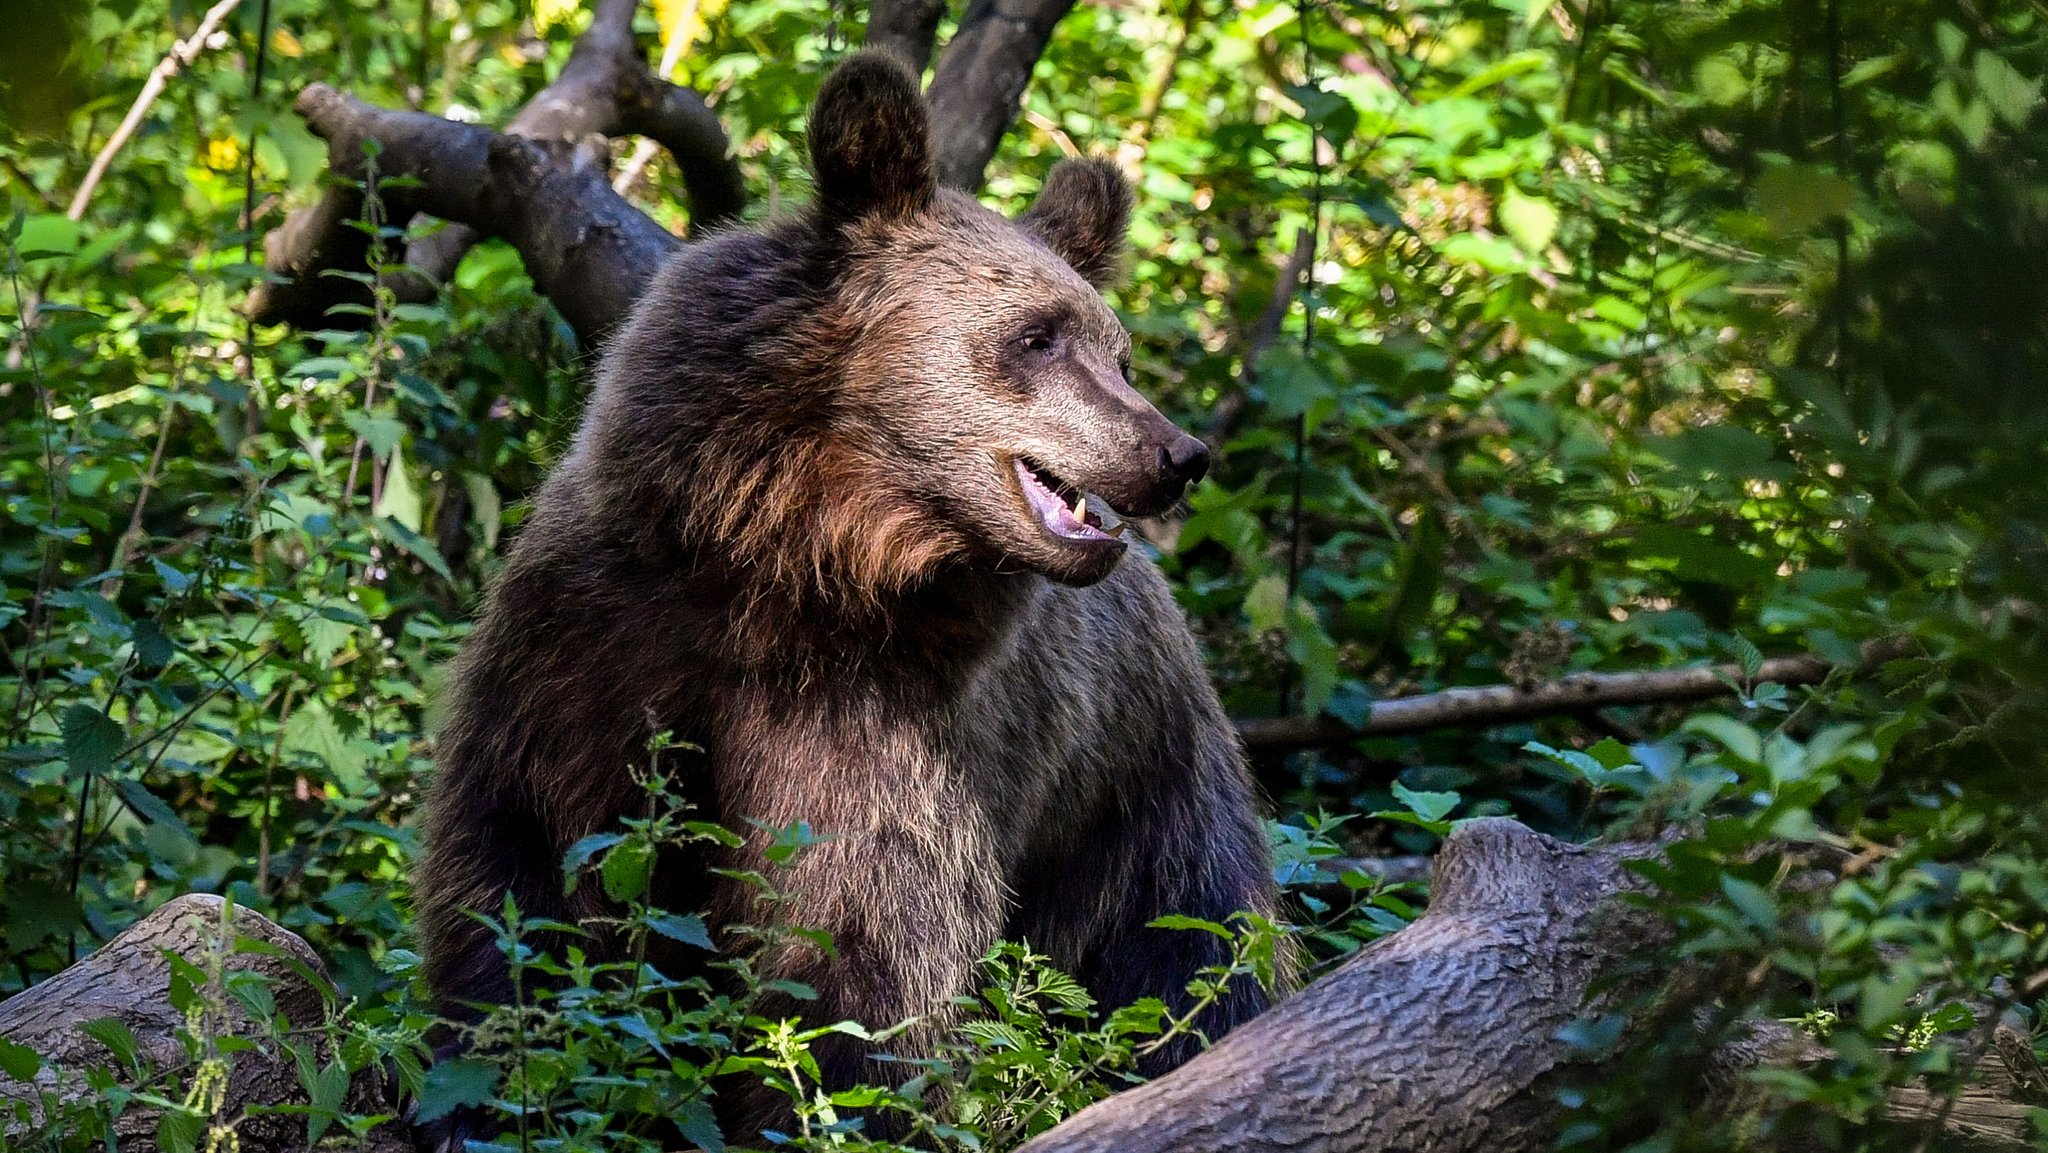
(1052, 512)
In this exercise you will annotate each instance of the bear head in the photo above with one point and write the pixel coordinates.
(981, 345)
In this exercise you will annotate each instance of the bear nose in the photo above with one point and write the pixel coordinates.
(1185, 460)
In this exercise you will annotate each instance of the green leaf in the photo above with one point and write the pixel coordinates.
(582, 851)
(382, 434)
(178, 1130)
(487, 509)
(1753, 900)
(400, 501)
(1741, 741)
(698, 1126)
(450, 1085)
(1530, 221)
(417, 545)
(1429, 806)
(119, 1040)
(689, 929)
(1178, 921)
(1265, 605)
(326, 1092)
(19, 1062)
(92, 739)
(626, 869)
(2012, 96)
(49, 234)
(1795, 197)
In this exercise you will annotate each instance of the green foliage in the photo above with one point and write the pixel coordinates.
(1636, 334)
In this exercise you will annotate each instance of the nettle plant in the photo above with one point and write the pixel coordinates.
(619, 1055)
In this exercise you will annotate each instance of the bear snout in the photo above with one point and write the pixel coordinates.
(1184, 462)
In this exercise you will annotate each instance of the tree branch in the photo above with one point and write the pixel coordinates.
(181, 55)
(587, 249)
(1578, 693)
(980, 81)
(605, 88)
(906, 28)
(1230, 408)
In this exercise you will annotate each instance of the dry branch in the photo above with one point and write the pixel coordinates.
(1508, 704)
(587, 249)
(181, 55)
(980, 81)
(129, 980)
(1441, 1036)
(605, 88)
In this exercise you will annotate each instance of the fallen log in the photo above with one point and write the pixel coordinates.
(1446, 1036)
(129, 980)
(1442, 1036)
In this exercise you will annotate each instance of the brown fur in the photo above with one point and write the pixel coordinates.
(789, 532)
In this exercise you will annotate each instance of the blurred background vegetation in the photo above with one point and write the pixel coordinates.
(1534, 338)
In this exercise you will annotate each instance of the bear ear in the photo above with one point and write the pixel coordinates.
(1083, 213)
(871, 141)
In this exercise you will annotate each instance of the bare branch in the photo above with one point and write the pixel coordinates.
(980, 81)
(605, 88)
(181, 55)
(1442, 1036)
(905, 28)
(1507, 704)
(587, 250)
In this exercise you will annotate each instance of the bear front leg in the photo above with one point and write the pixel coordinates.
(1185, 841)
(910, 911)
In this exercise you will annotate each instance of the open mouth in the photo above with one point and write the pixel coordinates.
(1061, 509)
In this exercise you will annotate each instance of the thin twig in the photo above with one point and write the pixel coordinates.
(180, 56)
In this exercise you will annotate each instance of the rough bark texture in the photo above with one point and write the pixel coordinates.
(980, 80)
(566, 224)
(604, 89)
(1440, 1037)
(587, 249)
(128, 979)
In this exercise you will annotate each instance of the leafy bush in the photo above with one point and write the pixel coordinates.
(1632, 335)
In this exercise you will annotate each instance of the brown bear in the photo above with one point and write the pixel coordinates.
(840, 515)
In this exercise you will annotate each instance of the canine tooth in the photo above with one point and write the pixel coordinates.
(1117, 529)
(1081, 510)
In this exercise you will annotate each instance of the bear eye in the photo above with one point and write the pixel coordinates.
(1036, 339)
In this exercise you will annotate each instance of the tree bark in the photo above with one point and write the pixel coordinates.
(980, 81)
(1488, 705)
(604, 89)
(1444, 1036)
(588, 250)
(905, 28)
(129, 980)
